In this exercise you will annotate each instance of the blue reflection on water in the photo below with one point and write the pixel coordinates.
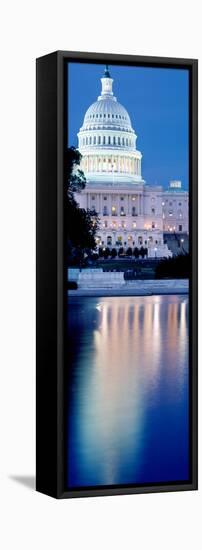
(127, 390)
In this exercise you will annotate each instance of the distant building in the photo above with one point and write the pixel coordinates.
(132, 213)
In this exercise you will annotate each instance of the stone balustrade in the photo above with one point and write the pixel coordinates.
(97, 279)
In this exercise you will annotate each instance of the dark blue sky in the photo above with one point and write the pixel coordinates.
(157, 103)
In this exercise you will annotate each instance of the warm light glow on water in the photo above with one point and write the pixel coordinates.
(128, 390)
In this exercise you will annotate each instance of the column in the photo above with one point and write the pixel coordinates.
(128, 206)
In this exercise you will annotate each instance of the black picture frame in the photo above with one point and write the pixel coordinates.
(50, 272)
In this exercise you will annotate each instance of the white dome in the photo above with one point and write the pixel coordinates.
(107, 141)
(107, 112)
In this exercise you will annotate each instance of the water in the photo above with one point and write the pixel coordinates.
(128, 390)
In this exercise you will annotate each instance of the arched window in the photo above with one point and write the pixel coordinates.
(94, 140)
(123, 141)
(90, 140)
(103, 140)
(86, 141)
(99, 140)
(114, 140)
(109, 140)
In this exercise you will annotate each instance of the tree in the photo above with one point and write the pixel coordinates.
(100, 252)
(80, 225)
(106, 252)
(120, 252)
(74, 176)
(129, 251)
(177, 267)
(113, 253)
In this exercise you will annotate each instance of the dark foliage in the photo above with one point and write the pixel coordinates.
(129, 251)
(106, 252)
(136, 252)
(75, 177)
(113, 253)
(72, 285)
(81, 225)
(121, 251)
(177, 267)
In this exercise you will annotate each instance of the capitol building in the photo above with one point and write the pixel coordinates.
(132, 213)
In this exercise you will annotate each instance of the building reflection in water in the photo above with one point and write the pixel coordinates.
(128, 390)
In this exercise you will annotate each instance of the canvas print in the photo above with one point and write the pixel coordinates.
(127, 272)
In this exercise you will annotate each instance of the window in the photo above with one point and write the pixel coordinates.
(126, 141)
(133, 211)
(86, 141)
(93, 198)
(122, 198)
(119, 141)
(123, 141)
(153, 225)
(109, 240)
(153, 210)
(108, 115)
(105, 198)
(99, 140)
(134, 225)
(109, 140)
(90, 140)
(112, 116)
(96, 116)
(180, 227)
(104, 115)
(113, 210)
(98, 239)
(94, 140)
(140, 240)
(105, 211)
(103, 140)
(114, 140)
(105, 223)
(180, 204)
(122, 211)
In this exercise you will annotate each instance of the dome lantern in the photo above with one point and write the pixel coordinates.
(107, 82)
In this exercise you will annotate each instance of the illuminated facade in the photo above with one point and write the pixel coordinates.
(132, 213)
